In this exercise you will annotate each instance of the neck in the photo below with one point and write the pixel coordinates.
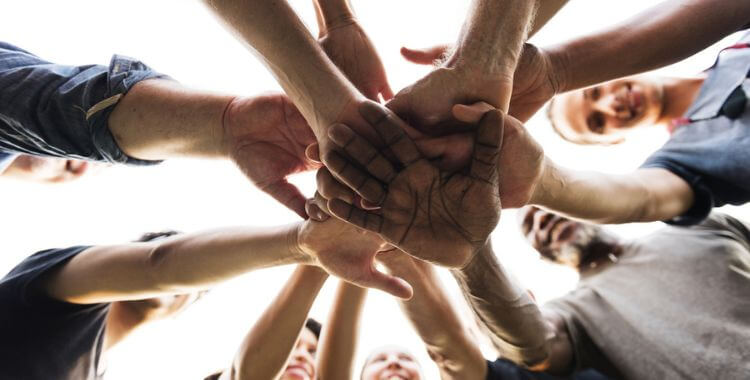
(678, 94)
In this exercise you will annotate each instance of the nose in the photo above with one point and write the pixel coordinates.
(609, 104)
(393, 363)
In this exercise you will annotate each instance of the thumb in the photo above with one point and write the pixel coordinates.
(288, 195)
(471, 113)
(489, 140)
(396, 286)
(427, 56)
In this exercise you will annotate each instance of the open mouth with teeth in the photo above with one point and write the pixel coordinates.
(632, 102)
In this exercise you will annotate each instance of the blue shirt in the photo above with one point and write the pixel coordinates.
(712, 152)
(55, 110)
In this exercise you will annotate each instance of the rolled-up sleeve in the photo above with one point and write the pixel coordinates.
(48, 109)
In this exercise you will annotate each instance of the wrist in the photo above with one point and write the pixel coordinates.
(558, 59)
(547, 186)
(336, 14)
(297, 247)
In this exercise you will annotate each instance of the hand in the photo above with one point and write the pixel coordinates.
(521, 157)
(534, 83)
(427, 103)
(434, 215)
(347, 45)
(449, 153)
(266, 137)
(349, 253)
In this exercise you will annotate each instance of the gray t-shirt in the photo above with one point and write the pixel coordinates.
(676, 305)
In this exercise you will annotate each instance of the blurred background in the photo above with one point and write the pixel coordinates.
(180, 38)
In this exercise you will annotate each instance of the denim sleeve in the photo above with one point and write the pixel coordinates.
(48, 109)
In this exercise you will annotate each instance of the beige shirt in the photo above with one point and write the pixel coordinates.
(676, 305)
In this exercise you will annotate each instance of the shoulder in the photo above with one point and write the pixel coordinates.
(22, 281)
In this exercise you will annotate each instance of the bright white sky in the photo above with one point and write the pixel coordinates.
(180, 38)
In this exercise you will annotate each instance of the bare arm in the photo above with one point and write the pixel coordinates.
(509, 313)
(666, 33)
(481, 68)
(338, 344)
(179, 264)
(433, 316)
(267, 346)
(312, 81)
(644, 195)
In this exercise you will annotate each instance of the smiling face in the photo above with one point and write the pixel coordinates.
(391, 363)
(605, 113)
(301, 364)
(562, 240)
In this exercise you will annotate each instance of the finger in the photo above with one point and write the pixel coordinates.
(362, 152)
(363, 184)
(360, 218)
(471, 113)
(424, 56)
(288, 195)
(314, 211)
(386, 92)
(312, 152)
(330, 188)
(371, 93)
(449, 153)
(391, 129)
(393, 285)
(487, 148)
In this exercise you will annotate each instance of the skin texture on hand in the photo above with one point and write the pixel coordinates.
(266, 137)
(349, 47)
(434, 215)
(348, 252)
(534, 83)
(427, 103)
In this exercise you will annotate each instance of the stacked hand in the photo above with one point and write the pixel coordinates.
(534, 83)
(348, 46)
(349, 252)
(266, 137)
(435, 215)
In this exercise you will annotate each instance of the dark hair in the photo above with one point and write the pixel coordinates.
(149, 236)
(314, 326)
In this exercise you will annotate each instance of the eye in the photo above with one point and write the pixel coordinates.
(595, 93)
(595, 122)
(405, 358)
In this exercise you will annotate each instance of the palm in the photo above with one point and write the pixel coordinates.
(353, 261)
(267, 138)
(533, 83)
(431, 214)
(439, 218)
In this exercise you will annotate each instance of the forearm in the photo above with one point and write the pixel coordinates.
(509, 313)
(642, 196)
(160, 119)
(338, 343)
(304, 71)
(659, 36)
(437, 323)
(205, 259)
(266, 348)
(179, 264)
(491, 38)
